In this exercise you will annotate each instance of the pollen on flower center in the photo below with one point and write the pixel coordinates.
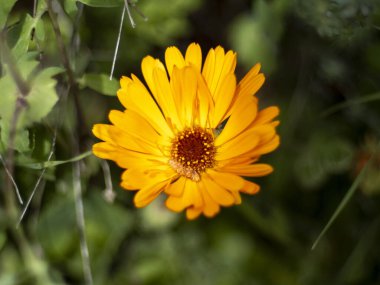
(192, 152)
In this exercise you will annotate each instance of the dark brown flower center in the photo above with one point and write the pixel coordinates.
(192, 152)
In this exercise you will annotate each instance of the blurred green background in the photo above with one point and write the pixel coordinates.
(322, 65)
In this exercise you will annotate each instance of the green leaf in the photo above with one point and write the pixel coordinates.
(5, 8)
(102, 3)
(100, 83)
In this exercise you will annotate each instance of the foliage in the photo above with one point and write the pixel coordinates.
(322, 68)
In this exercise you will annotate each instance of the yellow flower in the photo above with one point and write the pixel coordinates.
(193, 136)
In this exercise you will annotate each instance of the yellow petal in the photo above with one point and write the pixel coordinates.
(217, 66)
(205, 104)
(126, 160)
(266, 115)
(137, 176)
(275, 123)
(250, 74)
(176, 204)
(208, 67)
(252, 170)
(266, 147)
(114, 135)
(147, 194)
(132, 123)
(190, 197)
(173, 57)
(250, 188)
(165, 98)
(101, 132)
(148, 64)
(264, 132)
(176, 188)
(227, 180)
(194, 56)
(239, 120)
(248, 86)
(237, 197)
(123, 157)
(242, 144)
(252, 86)
(217, 192)
(193, 213)
(125, 81)
(104, 150)
(184, 86)
(228, 63)
(189, 92)
(192, 194)
(223, 98)
(211, 208)
(138, 99)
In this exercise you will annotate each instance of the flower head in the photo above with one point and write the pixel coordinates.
(194, 135)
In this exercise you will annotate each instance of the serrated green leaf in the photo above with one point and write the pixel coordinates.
(39, 101)
(21, 143)
(7, 107)
(5, 8)
(102, 3)
(100, 83)
(22, 44)
(42, 96)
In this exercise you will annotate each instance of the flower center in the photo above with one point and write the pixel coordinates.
(192, 152)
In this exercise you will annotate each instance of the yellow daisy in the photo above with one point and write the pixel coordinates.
(194, 135)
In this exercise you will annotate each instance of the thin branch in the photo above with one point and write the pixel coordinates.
(117, 43)
(66, 62)
(8, 59)
(23, 89)
(74, 42)
(11, 211)
(127, 3)
(134, 6)
(35, 8)
(108, 193)
(60, 43)
(12, 180)
(350, 192)
(133, 24)
(52, 149)
(58, 123)
(77, 187)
